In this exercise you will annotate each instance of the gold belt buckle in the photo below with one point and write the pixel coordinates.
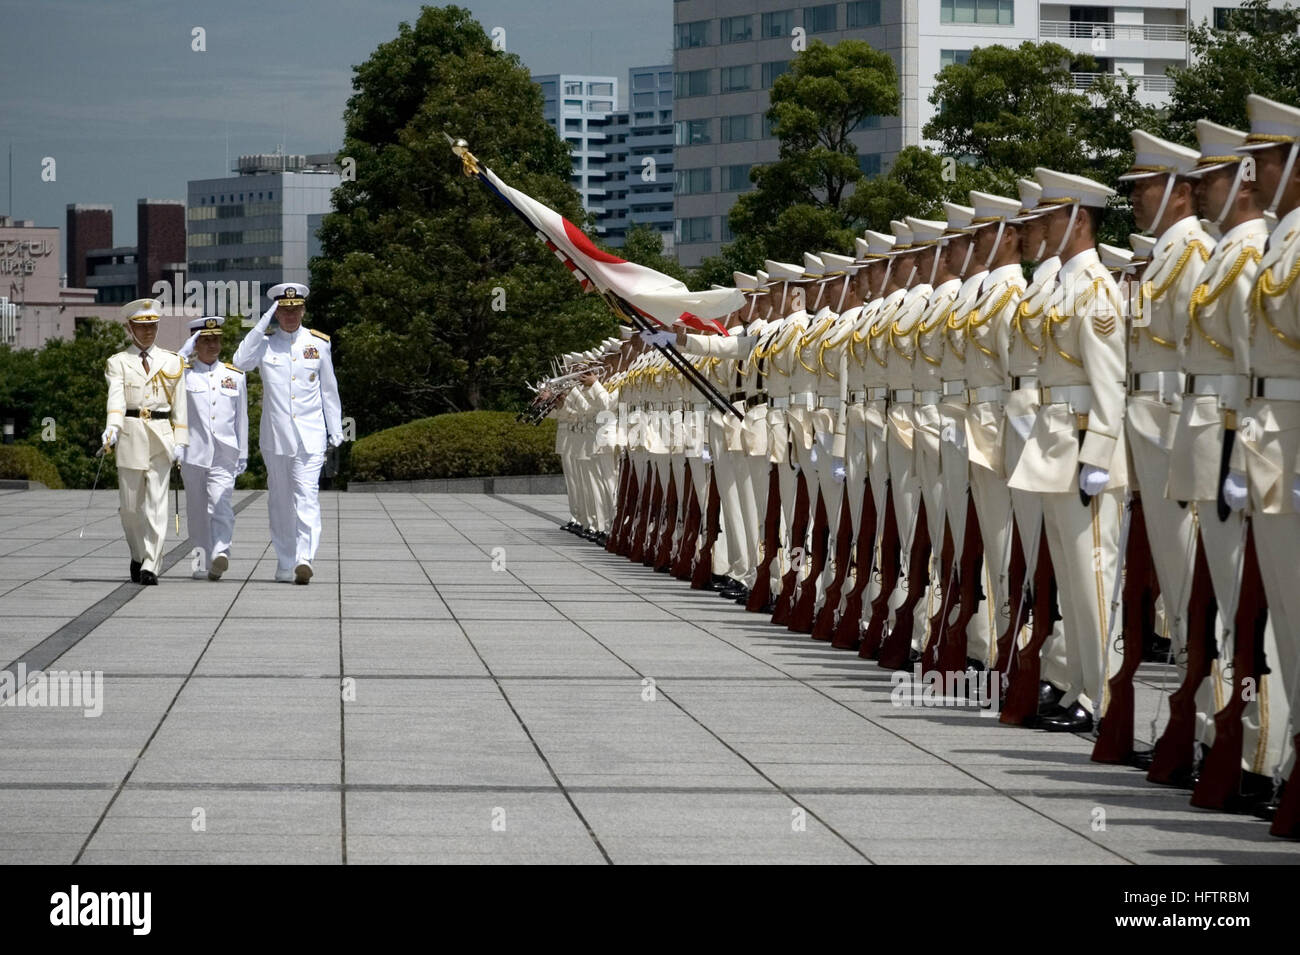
(145, 414)
(1081, 421)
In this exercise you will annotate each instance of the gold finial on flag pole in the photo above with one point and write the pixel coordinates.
(461, 149)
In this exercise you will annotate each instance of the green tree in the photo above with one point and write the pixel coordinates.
(1259, 52)
(799, 203)
(438, 298)
(1008, 110)
(56, 396)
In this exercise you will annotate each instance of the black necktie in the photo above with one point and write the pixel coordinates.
(144, 359)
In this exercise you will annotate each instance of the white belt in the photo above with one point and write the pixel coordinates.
(954, 387)
(830, 401)
(1024, 382)
(857, 397)
(804, 399)
(779, 401)
(927, 397)
(1228, 388)
(985, 393)
(1165, 383)
(876, 394)
(1283, 389)
(700, 407)
(1078, 397)
(901, 395)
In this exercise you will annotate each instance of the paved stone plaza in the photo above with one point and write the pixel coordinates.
(464, 682)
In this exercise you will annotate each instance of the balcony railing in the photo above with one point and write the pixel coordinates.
(1150, 83)
(1146, 32)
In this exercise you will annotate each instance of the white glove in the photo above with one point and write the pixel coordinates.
(1092, 479)
(109, 438)
(335, 440)
(187, 349)
(663, 338)
(1234, 490)
(813, 454)
(241, 466)
(265, 320)
(704, 454)
(1295, 494)
(837, 470)
(178, 452)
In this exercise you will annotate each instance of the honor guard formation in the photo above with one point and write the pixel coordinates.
(934, 463)
(191, 409)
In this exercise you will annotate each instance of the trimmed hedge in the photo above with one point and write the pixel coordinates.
(22, 462)
(467, 444)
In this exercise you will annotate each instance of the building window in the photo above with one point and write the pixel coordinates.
(869, 163)
(691, 132)
(692, 34)
(693, 229)
(866, 122)
(665, 97)
(643, 99)
(573, 125)
(778, 23)
(548, 89)
(641, 117)
(988, 12)
(772, 70)
(573, 88)
(735, 78)
(863, 13)
(691, 83)
(665, 116)
(643, 81)
(820, 19)
(726, 229)
(736, 29)
(736, 178)
(666, 79)
(693, 181)
(769, 127)
(600, 89)
(951, 57)
(737, 129)
(600, 106)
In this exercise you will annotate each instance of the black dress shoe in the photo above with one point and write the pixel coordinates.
(913, 656)
(742, 598)
(1142, 759)
(602, 538)
(1048, 695)
(135, 571)
(769, 607)
(732, 591)
(976, 665)
(1074, 720)
(148, 578)
(719, 582)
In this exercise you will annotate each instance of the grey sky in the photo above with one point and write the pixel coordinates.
(112, 90)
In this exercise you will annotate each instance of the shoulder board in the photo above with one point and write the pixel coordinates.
(233, 367)
(185, 363)
(319, 334)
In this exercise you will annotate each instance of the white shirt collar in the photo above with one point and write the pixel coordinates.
(1287, 223)
(1078, 263)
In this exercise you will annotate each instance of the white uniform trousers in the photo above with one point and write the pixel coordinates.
(1275, 543)
(293, 502)
(209, 503)
(142, 505)
(992, 503)
(727, 472)
(955, 481)
(933, 492)
(1084, 543)
(1028, 509)
(906, 491)
(1264, 737)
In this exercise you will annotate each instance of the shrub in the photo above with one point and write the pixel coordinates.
(25, 463)
(467, 444)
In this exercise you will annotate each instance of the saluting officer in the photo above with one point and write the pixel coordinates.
(300, 413)
(146, 424)
(218, 451)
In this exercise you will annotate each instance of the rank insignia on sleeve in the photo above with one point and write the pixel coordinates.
(1103, 325)
(310, 352)
(228, 383)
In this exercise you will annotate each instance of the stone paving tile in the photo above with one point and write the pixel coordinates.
(427, 685)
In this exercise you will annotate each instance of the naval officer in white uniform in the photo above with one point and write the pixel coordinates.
(300, 414)
(218, 450)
